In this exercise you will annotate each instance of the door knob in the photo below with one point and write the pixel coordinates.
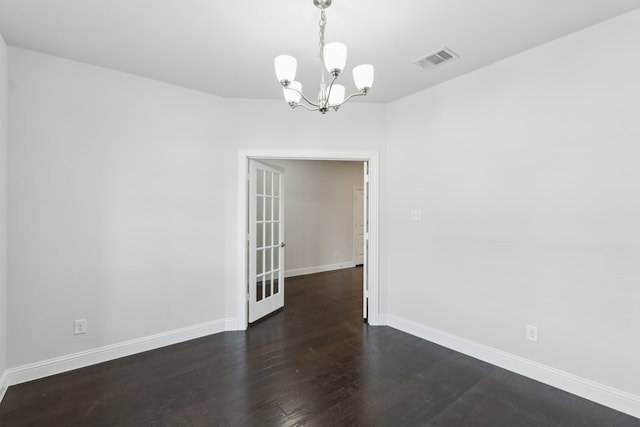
(283, 244)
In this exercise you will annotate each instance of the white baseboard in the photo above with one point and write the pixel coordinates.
(617, 399)
(4, 384)
(70, 362)
(318, 269)
(232, 325)
(383, 320)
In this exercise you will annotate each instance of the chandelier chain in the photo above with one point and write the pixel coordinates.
(323, 24)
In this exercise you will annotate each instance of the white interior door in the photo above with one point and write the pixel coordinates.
(358, 225)
(266, 239)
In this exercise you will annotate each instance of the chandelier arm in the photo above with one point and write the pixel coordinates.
(326, 100)
(351, 96)
(309, 102)
(304, 97)
(305, 107)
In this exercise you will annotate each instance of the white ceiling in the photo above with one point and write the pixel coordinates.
(227, 47)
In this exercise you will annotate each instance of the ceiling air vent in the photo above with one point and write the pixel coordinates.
(436, 59)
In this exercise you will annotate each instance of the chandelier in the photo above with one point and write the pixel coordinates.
(333, 58)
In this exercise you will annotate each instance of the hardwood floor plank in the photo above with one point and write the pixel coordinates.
(312, 364)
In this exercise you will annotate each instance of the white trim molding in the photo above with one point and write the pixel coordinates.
(617, 399)
(244, 155)
(383, 320)
(318, 269)
(231, 325)
(4, 384)
(82, 359)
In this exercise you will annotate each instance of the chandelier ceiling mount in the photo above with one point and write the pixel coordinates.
(322, 4)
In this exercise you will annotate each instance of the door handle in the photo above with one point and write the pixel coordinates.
(283, 244)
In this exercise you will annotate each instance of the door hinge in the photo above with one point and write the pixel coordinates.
(366, 178)
(366, 236)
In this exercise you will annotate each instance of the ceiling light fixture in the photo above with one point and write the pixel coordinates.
(333, 57)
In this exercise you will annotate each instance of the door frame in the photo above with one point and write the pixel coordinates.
(354, 244)
(372, 263)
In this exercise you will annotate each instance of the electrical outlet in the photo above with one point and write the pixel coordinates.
(80, 326)
(532, 333)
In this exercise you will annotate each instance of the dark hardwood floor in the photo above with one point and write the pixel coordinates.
(315, 363)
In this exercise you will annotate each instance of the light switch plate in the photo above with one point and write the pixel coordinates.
(416, 214)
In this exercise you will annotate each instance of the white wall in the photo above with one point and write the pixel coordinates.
(319, 213)
(259, 125)
(115, 191)
(4, 135)
(527, 174)
(123, 194)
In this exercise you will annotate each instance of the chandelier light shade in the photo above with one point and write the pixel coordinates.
(293, 92)
(363, 77)
(286, 66)
(333, 58)
(336, 97)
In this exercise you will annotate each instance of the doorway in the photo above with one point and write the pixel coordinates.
(371, 236)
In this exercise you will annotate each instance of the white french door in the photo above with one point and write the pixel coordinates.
(266, 239)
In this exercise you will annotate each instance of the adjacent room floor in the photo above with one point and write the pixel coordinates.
(314, 363)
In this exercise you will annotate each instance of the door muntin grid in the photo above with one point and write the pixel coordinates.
(268, 234)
